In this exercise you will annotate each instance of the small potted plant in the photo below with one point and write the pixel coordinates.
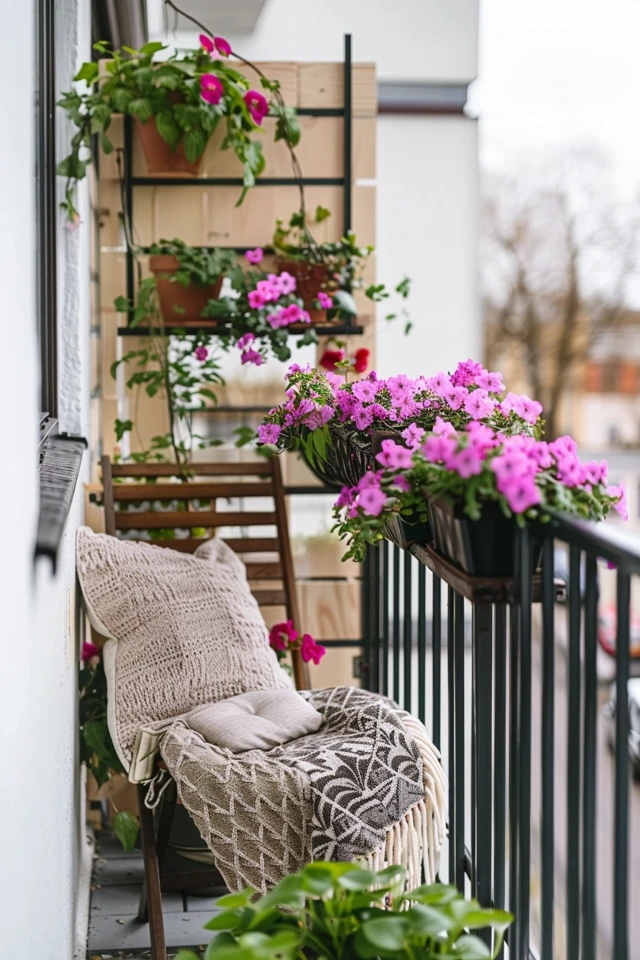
(477, 484)
(327, 273)
(188, 277)
(177, 102)
(341, 911)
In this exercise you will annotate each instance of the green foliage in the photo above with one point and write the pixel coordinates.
(167, 92)
(201, 266)
(126, 830)
(339, 911)
(96, 746)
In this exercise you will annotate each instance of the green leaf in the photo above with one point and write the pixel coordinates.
(344, 302)
(121, 98)
(121, 304)
(121, 427)
(469, 948)
(88, 72)
(141, 108)
(321, 214)
(195, 141)
(154, 46)
(168, 128)
(125, 826)
(232, 900)
(245, 435)
(388, 933)
(357, 880)
(187, 955)
(72, 167)
(105, 143)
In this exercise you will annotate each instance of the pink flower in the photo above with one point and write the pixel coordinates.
(479, 405)
(310, 650)
(268, 290)
(621, 506)
(455, 396)
(413, 436)
(269, 432)
(438, 383)
(255, 256)
(317, 418)
(512, 465)
(346, 497)
(206, 43)
(282, 635)
(324, 300)
(73, 223)
(286, 282)
(490, 381)
(256, 105)
(438, 449)
(245, 340)
(466, 462)
(201, 353)
(481, 436)
(531, 409)
(466, 372)
(372, 500)
(521, 493)
(401, 483)
(394, 455)
(222, 46)
(365, 390)
(89, 650)
(443, 428)
(211, 88)
(256, 299)
(252, 356)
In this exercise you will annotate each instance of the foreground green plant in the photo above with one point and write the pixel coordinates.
(338, 911)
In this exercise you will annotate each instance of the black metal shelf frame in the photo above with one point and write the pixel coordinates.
(346, 182)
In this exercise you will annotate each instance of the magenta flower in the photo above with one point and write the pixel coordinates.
(438, 383)
(269, 432)
(439, 449)
(400, 482)
(466, 462)
(245, 340)
(286, 282)
(443, 428)
(310, 650)
(324, 300)
(394, 455)
(521, 493)
(372, 501)
(211, 88)
(621, 506)
(490, 381)
(346, 496)
(252, 356)
(201, 353)
(222, 46)
(256, 105)
(256, 299)
(255, 256)
(508, 466)
(89, 650)
(466, 373)
(282, 635)
(531, 409)
(206, 43)
(413, 436)
(455, 396)
(365, 390)
(268, 290)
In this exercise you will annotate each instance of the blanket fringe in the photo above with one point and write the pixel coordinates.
(415, 840)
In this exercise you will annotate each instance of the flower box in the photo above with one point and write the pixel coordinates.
(483, 547)
(180, 304)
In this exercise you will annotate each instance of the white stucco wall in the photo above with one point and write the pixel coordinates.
(40, 809)
(427, 181)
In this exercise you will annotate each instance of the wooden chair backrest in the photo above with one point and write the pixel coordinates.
(267, 558)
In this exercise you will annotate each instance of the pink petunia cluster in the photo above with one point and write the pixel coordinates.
(249, 354)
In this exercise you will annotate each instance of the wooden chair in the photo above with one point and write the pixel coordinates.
(270, 572)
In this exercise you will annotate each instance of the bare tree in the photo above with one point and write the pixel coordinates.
(559, 251)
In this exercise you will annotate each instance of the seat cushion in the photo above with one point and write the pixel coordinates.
(255, 721)
(184, 630)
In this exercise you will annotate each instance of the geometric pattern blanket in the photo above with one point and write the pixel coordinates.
(367, 785)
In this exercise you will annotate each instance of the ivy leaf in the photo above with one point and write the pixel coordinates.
(126, 829)
(72, 167)
(321, 214)
(122, 427)
(88, 72)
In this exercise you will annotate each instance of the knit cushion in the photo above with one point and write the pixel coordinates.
(255, 721)
(184, 630)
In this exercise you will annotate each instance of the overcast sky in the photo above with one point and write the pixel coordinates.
(560, 72)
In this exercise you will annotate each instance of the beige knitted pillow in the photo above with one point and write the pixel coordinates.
(184, 630)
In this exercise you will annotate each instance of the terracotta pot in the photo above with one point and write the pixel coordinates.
(160, 157)
(190, 300)
(310, 278)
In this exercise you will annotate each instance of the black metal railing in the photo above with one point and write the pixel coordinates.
(504, 673)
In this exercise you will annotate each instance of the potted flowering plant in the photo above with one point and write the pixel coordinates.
(188, 277)
(335, 422)
(334, 268)
(476, 483)
(177, 102)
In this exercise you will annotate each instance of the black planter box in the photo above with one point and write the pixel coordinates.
(482, 548)
(403, 531)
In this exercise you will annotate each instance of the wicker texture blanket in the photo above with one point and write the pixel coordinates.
(368, 784)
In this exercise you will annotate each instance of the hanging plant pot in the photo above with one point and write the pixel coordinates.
(483, 547)
(404, 531)
(160, 157)
(310, 279)
(180, 305)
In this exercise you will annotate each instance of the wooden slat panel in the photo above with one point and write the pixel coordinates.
(259, 468)
(270, 598)
(253, 544)
(191, 491)
(322, 85)
(182, 520)
(264, 571)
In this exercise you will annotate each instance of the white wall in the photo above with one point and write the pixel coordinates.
(427, 182)
(39, 799)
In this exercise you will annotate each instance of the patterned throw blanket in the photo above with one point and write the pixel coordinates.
(368, 784)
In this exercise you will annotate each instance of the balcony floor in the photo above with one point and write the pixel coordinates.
(113, 928)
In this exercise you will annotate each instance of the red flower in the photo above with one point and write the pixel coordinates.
(257, 105)
(330, 358)
(361, 360)
(310, 650)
